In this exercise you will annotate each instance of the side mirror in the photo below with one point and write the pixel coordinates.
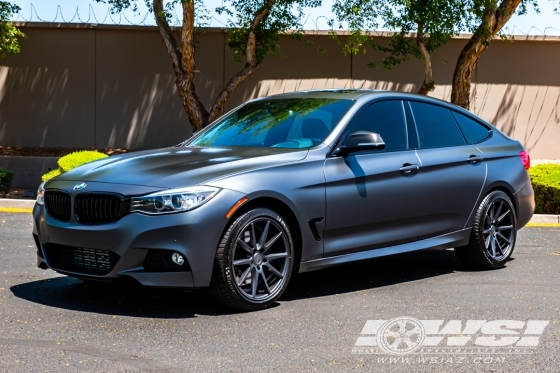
(360, 141)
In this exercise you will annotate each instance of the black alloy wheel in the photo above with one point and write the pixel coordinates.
(493, 234)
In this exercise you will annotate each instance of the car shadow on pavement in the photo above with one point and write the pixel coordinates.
(375, 273)
(131, 299)
(120, 299)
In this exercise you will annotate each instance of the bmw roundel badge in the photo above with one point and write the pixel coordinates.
(80, 186)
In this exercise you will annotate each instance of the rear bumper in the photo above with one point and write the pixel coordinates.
(194, 234)
(525, 202)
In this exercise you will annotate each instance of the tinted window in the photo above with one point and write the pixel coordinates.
(385, 118)
(284, 123)
(436, 126)
(472, 130)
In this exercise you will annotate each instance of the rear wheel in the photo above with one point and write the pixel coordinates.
(493, 234)
(253, 262)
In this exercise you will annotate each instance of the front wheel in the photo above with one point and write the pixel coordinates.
(253, 262)
(493, 234)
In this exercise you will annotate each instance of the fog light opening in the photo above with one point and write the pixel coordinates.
(178, 259)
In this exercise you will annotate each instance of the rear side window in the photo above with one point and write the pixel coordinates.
(436, 126)
(472, 130)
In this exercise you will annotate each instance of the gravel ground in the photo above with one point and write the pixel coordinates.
(53, 323)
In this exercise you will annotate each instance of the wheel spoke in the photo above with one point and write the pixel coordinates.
(244, 276)
(276, 256)
(244, 246)
(498, 234)
(505, 227)
(412, 331)
(276, 272)
(253, 236)
(493, 242)
(500, 218)
(395, 343)
(254, 282)
(271, 242)
(486, 231)
(402, 326)
(265, 282)
(262, 240)
(491, 213)
(242, 261)
(497, 213)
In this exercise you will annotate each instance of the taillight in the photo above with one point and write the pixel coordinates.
(525, 159)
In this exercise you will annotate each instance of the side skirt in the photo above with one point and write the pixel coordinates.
(449, 240)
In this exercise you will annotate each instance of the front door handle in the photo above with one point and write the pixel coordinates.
(473, 159)
(408, 168)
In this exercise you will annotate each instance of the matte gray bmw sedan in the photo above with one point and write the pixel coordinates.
(286, 184)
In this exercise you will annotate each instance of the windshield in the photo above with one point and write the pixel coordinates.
(285, 123)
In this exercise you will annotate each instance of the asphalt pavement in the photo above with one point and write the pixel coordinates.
(53, 323)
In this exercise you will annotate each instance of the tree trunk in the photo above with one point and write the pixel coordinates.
(492, 22)
(250, 67)
(183, 60)
(429, 83)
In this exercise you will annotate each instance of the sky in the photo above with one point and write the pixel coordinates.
(544, 23)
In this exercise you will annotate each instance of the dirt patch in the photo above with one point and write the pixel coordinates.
(16, 194)
(52, 152)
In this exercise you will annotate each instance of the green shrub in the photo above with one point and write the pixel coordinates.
(52, 173)
(73, 160)
(6, 177)
(76, 159)
(545, 179)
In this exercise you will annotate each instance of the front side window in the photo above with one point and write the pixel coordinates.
(436, 126)
(385, 118)
(283, 123)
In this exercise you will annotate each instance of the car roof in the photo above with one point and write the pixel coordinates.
(350, 94)
(341, 93)
(363, 94)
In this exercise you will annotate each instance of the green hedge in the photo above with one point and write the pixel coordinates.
(73, 160)
(6, 177)
(545, 179)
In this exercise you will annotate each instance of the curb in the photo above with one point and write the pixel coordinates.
(547, 219)
(26, 205)
(7, 203)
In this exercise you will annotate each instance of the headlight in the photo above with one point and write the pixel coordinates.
(41, 194)
(174, 200)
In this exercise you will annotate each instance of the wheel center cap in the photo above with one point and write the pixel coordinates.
(493, 230)
(257, 259)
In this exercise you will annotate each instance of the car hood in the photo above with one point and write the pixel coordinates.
(180, 166)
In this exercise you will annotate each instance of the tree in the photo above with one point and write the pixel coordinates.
(489, 16)
(256, 28)
(434, 23)
(9, 43)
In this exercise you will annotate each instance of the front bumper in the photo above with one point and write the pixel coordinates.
(195, 234)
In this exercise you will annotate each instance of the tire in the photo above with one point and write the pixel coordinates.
(493, 234)
(258, 245)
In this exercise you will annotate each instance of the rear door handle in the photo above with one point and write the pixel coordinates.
(474, 159)
(408, 168)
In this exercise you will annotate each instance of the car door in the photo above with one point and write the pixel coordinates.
(372, 198)
(453, 171)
